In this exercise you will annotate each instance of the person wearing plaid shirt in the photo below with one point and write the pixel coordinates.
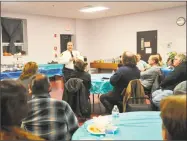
(48, 118)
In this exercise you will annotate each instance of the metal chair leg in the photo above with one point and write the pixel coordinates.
(99, 103)
(93, 102)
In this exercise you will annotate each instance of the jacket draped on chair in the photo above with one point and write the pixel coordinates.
(76, 96)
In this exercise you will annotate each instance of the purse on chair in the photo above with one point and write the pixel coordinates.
(138, 104)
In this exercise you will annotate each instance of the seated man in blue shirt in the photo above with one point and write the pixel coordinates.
(48, 118)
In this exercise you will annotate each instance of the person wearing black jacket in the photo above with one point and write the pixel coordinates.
(80, 73)
(120, 80)
(172, 80)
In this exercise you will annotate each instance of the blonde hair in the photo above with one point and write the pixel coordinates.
(155, 58)
(173, 114)
(29, 70)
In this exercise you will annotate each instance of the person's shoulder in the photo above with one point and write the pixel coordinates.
(21, 133)
(61, 103)
(87, 74)
(122, 69)
(65, 52)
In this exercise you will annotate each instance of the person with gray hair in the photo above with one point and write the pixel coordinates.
(48, 118)
(180, 88)
(175, 77)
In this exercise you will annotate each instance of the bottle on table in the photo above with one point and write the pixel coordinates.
(115, 112)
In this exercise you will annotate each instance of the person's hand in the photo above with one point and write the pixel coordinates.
(72, 59)
(142, 70)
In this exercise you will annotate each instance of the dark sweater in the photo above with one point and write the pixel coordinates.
(175, 77)
(122, 77)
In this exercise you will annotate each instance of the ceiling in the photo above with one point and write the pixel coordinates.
(71, 9)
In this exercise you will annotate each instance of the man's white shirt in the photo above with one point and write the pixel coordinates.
(66, 56)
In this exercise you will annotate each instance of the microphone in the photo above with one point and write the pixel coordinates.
(72, 56)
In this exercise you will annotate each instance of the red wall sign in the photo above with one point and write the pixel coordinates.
(55, 48)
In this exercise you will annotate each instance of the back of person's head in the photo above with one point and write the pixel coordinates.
(80, 65)
(13, 98)
(39, 84)
(159, 57)
(138, 57)
(180, 88)
(129, 59)
(173, 114)
(29, 70)
(154, 59)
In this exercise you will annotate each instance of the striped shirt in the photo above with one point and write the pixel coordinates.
(50, 119)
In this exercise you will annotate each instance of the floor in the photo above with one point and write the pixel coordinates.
(57, 93)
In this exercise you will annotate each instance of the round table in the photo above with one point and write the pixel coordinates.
(131, 126)
(99, 84)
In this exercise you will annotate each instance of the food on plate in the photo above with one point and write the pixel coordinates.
(94, 129)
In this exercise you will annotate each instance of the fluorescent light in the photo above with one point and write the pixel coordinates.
(93, 9)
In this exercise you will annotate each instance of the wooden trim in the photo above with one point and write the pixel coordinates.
(109, 66)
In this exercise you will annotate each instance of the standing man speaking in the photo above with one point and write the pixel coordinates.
(68, 58)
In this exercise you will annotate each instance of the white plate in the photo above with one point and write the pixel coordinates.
(92, 132)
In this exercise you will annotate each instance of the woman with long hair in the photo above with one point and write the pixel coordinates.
(29, 70)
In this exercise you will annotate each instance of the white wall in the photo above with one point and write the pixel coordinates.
(109, 37)
(101, 38)
(83, 36)
(40, 32)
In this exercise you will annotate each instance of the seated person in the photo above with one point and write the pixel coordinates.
(148, 77)
(120, 79)
(14, 108)
(142, 65)
(30, 69)
(170, 60)
(171, 80)
(180, 88)
(79, 72)
(173, 114)
(48, 118)
(160, 60)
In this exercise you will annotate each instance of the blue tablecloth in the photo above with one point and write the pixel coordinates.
(99, 85)
(132, 126)
(47, 69)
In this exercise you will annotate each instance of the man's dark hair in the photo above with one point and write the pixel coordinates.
(80, 65)
(13, 96)
(39, 84)
(129, 59)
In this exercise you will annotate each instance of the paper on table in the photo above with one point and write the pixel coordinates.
(148, 50)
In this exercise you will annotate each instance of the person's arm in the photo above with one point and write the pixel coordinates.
(89, 81)
(171, 78)
(115, 78)
(146, 74)
(64, 59)
(71, 120)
